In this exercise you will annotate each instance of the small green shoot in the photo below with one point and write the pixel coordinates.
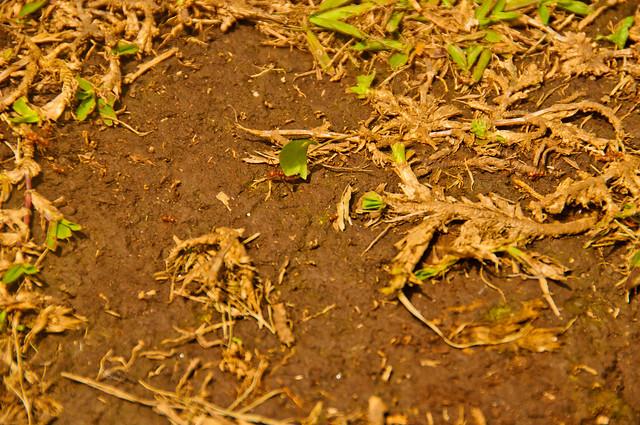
(458, 56)
(473, 54)
(123, 48)
(491, 12)
(628, 210)
(543, 12)
(435, 269)
(398, 59)
(337, 26)
(483, 62)
(60, 229)
(87, 96)
(394, 21)
(318, 51)
(340, 13)
(331, 4)
(89, 100)
(25, 113)
(493, 37)
(574, 6)
(105, 108)
(635, 260)
(372, 201)
(29, 8)
(3, 320)
(293, 157)
(621, 33)
(363, 85)
(480, 128)
(378, 45)
(14, 272)
(397, 153)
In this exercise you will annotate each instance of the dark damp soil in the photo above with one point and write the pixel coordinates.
(132, 194)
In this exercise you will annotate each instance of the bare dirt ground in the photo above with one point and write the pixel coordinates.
(133, 194)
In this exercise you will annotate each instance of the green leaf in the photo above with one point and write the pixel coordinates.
(483, 62)
(374, 46)
(435, 269)
(30, 8)
(514, 252)
(105, 108)
(394, 21)
(3, 320)
(123, 48)
(519, 4)
(342, 12)
(7, 54)
(397, 59)
(577, 7)
(473, 54)
(317, 50)
(543, 12)
(457, 55)
(480, 128)
(85, 85)
(293, 157)
(330, 4)
(499, 7)
(635, 259)
(372, 202)
(337, 26)
(85, 108)
(482, 11)
(61, 229)
(363, 85)
(503, 16)
(14, 272)
(493, 37)
(51, 241)
(73, 226)
(25, 113)
(628, 210)
(397, 153)
(621, 34)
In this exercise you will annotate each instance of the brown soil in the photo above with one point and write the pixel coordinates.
(136, 193)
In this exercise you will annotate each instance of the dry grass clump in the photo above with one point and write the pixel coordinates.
(465, 88)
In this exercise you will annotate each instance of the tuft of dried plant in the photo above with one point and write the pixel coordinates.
(215, 270)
